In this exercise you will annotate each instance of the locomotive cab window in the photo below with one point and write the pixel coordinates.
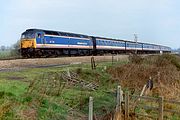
(28, 35)
(23, 36)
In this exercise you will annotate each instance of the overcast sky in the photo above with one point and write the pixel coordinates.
(154, 21)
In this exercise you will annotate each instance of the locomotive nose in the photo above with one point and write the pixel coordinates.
(28, 43)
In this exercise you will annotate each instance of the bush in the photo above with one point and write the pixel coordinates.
(136, 59)
(15, 49)
(166, 59)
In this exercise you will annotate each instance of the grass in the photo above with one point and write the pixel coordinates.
(10, 53)
(17, 103)
(20, 101)
(5, 54)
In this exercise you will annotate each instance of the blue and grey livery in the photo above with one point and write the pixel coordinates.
(45, 43)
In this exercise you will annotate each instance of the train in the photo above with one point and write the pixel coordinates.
(48, 43)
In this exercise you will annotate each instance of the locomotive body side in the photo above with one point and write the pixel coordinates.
(47, 43)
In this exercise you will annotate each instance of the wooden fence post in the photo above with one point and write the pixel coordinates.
(126, 105)
(112, 59)
(90, 108)
(119, 99)
(117, 58)
(117, 115)
(161, 105)
(93, 65)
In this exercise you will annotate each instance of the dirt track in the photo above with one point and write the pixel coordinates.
(18, 63)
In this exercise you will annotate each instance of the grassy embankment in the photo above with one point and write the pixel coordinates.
(165, 73)
(40, 93)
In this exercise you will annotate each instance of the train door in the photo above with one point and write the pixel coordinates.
(40, 38)
(94, 45)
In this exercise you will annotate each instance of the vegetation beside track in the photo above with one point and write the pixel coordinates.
(25, 94)
(164, 71)
(41, 93)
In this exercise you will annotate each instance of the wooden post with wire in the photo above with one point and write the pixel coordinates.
(93, 65)
(90, 108)
(117, 115)
(126, 105)
(112, 59)
(161, 99)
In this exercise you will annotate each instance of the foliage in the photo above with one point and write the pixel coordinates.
(15, 49)
(11, 52)
(163, 69)
(42, 94)
(136, 59)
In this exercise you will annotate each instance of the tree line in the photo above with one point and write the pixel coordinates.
(13, 50)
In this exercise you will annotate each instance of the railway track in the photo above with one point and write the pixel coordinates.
(19, 57)
(18, 63)
(13, 58)
(45, 62)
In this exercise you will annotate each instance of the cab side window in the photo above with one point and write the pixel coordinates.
(39, 35)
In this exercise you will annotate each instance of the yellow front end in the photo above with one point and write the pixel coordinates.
(28, 43)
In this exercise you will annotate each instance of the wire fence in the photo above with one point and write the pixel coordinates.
(128, 107)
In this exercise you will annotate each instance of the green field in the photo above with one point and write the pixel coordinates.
(43, 94)
(28, 93)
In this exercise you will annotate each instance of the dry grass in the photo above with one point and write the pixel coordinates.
(137, 72)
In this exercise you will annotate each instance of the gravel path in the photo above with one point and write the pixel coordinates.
(25, 63)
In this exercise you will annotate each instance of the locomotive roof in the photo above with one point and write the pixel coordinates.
(46, 31)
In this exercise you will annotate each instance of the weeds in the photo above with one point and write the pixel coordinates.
(48, 96)
(47, 84)
(136, 73)
(136, 59)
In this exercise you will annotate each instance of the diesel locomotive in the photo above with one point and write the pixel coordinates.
(47, 43)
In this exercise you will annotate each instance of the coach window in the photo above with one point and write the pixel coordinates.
(101, 42)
